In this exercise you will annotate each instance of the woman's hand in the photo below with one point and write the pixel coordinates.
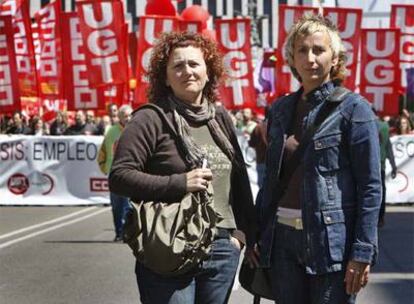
(198, 179)
(356, 276)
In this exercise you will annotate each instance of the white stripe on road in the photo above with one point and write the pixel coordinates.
(9, 243)
(3, 236)
(400, 209)
(382, 276)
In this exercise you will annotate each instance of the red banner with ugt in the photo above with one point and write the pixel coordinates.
(380, 73)
(348, 22)
(149, 30)
(402, 17)
(23, 45)
(78, 92)
(9, 91)
(233, 39)
(288, 15)
(50, 56)
(102, 27)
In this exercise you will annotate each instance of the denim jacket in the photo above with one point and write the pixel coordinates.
(341, 187)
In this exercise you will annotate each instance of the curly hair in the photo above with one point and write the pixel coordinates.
(307, 25)
(157, 74)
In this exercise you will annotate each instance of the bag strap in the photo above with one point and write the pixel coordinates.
(169, 124)
(337, 96)
(162, 115)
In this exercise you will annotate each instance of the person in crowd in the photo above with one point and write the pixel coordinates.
(91, 122)
(59, 125)
(248, 123)
(404, 126)
(386, 152)
(4, 123)
(18, 124)
(80, 127)
(151, 164)
(90, 117)
(405, 113)
(258, 141)
(113, 113)
(318, 214)
(120, 204)
(104, 125)
(38, 127)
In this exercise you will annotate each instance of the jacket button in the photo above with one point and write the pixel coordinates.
(318, 145)
(328, 219)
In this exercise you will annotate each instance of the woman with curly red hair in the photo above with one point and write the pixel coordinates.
(151, 164)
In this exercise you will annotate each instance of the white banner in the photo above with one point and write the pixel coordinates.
(63, 170)
(51, 170)
(401, 189)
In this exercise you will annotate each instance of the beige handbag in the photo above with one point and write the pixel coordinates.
(172, 238)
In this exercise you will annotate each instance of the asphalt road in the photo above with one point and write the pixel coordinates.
(53, 255)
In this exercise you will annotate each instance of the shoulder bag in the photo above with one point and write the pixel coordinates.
(171, 238)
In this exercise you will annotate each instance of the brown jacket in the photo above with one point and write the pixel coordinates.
(148, 166)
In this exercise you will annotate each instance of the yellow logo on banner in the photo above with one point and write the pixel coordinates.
(48, 88)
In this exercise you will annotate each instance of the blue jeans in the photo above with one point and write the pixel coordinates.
(290, 282)
(210, 282)
(120, 206)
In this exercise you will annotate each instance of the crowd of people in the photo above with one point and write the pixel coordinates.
(65, 123)
(87, 123)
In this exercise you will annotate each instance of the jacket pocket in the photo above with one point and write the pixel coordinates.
(334, 221)
(327, 152)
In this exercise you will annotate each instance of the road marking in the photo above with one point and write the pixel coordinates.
(9, 243)
(400, 209)
(3, 236)
(380, 276)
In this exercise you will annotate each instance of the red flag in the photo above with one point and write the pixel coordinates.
(190, 26)
(23, 44)
(402, 17)
(233, 39)
(149, 29)
(102, 24)
(114, 94)
(349, 22)
(50, 57)
(380, 77)
(77, 90)
(9, 86)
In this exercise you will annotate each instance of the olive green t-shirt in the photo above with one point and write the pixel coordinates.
(220, 166)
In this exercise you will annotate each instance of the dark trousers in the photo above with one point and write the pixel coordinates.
(382, 209)
(290, 282)
(210, 283)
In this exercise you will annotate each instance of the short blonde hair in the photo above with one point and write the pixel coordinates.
(309, 24)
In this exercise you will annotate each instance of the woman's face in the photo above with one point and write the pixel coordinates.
(187, 74)
(404, 125)
(313, 59)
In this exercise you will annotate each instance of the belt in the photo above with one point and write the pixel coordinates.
(222, 233)
(291, 222)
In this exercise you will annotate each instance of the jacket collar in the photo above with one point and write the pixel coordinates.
(315, 97)
(320, 94)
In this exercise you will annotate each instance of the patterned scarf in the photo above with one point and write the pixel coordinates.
(203, 114)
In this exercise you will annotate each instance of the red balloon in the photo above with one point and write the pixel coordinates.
(211, 34)
(160, 7)
(196, 13)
